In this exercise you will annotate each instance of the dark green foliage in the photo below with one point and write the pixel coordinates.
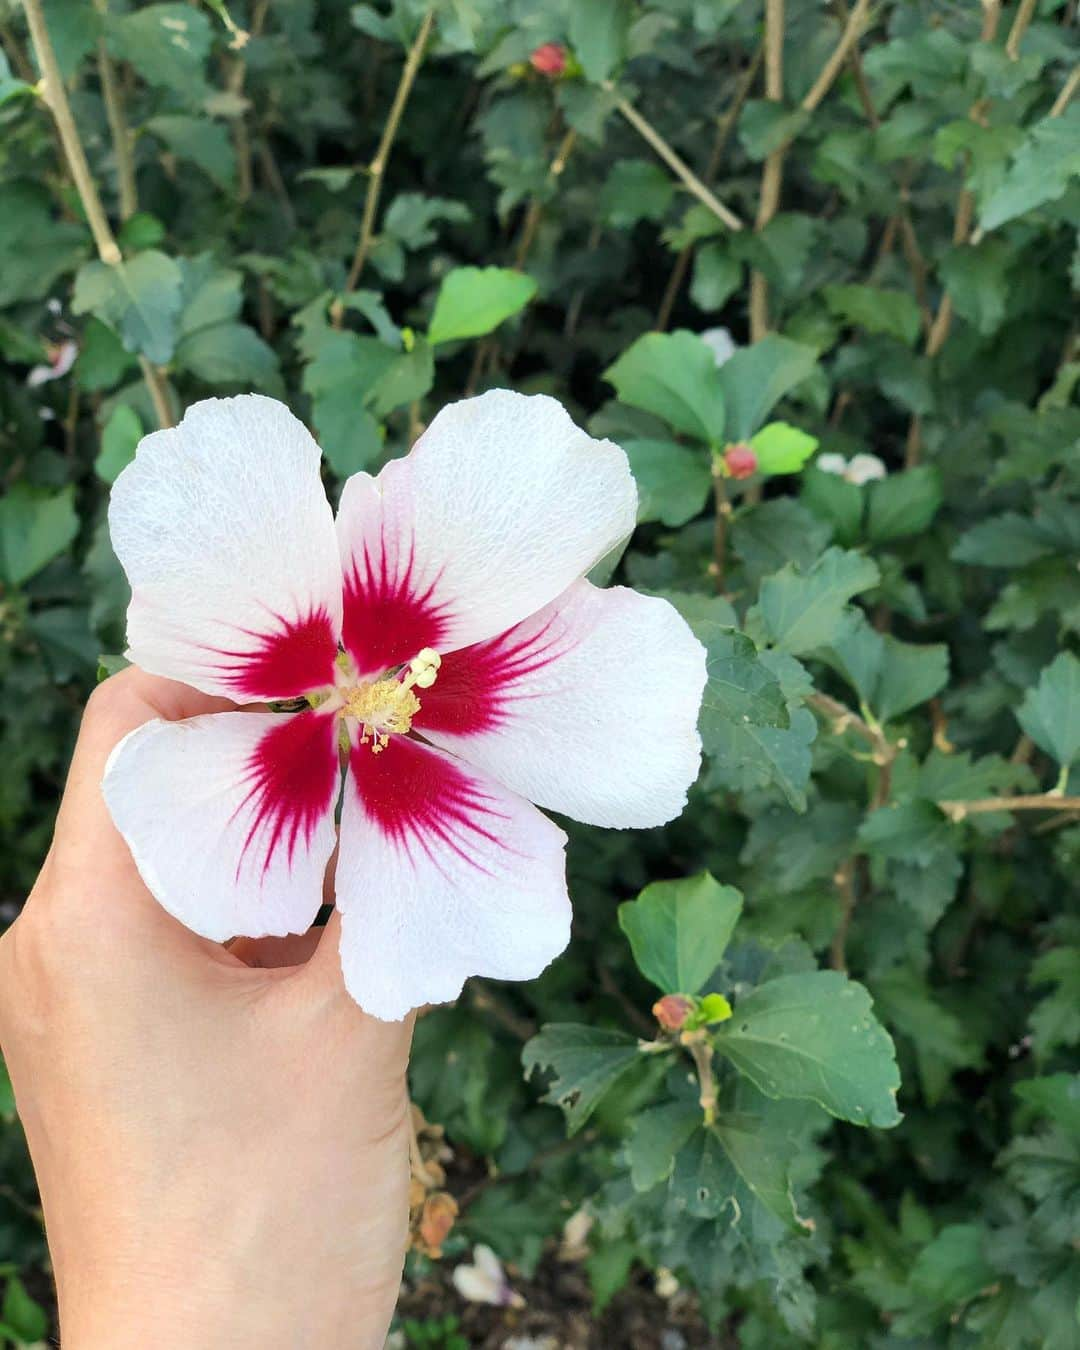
(888, 655)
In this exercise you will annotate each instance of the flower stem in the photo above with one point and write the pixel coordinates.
(702, 1054)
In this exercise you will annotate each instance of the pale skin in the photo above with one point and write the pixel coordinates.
(220, 1136)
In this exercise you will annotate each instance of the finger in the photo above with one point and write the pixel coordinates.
(273, 953)
(86, 846)
(321, 987)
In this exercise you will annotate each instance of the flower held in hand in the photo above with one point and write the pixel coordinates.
(440, 641)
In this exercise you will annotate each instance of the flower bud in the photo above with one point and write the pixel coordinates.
(549, 59)
(672, 1010)
(740, 460)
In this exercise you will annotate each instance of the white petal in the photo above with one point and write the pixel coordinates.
(865, 468)
(722, 343)
(588, 708)
(832, 463)
(502, 503)
(226, 536)
(442, 875)
(230, 817)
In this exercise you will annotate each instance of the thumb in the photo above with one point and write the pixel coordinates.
(321, 985)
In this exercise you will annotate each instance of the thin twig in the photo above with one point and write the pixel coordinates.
(237, 78)
(1068, 89)
(832, 67)
(725, 127)
(674, 161)
(1024, 14)
(377, 168)
(982, 806)
(720, 529)
(20, 62)
(121, 133)
(773, 171)
(56, 100)
(844, 881)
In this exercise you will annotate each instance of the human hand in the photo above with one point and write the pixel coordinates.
(220, 1136)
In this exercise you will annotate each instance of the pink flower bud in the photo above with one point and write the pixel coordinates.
(740, 460)
(549, 59)
(672, 1010)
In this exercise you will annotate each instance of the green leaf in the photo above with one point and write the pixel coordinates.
(942, 1042)
(833, 499)
(473, 301)
(405, 380)
(167, 44)
(636, 189)
(35, 527)
(977, 280)
(1050, 713)
(1041, 170)
(755, 379)
(10, 87)
(888, 675)
(877, 310)
(346, 369)
(119, 437)
(703, 1181)
(25, 1318)
(765, 126)
(204, 143)
(586, 1062)
(7, 1094)
(781, 448)
(741, 689)
(598, 33)
(746, 757)
(673, 482)
(656, 1136)
(230, 354)
(717, 276)
(36, 248)
(799, 612)
(759, 1164)
(952, 1269)
(815, 1036)
(140, 299)
(674, 376)
(911, 831)
(103, 360)
(609, 1267)
(903, 503)
(1056, 1096)
(1008, 540)
(679, 930)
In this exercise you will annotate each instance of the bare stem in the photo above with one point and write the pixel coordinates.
(237, 78)
(1067, 90)
(720, 528)
(832, 67)
(377, 168)
(108, 250)
(1024, 14)
(121, 133)
(772, 174)
(845, 889)
(674, 161)
(982, 806)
